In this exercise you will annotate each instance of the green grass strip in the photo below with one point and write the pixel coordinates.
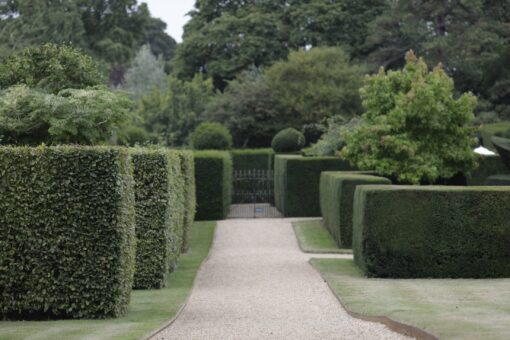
(314, 238)
(148, 310)
(450, 309)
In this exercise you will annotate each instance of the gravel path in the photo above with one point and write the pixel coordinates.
(257, 284)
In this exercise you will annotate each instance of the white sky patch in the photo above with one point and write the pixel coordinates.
(173, 12)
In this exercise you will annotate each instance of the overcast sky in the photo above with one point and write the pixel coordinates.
(173, 12)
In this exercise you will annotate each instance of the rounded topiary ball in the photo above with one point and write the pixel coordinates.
(288, 140)
(211, 136)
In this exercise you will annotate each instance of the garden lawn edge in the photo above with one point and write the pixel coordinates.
(305, 250)
(394, 325)
(181, 309)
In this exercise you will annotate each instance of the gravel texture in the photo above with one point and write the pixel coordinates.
(257, 284)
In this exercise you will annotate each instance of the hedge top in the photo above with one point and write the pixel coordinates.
(436, 188)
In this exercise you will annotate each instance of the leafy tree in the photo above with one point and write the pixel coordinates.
(145, 74)
(226, 37)
(413, 128)
(172, 114)
(51, 68)
(86, 116)
(27, 23)
(248, 108)
(333, 140)
(316, 84)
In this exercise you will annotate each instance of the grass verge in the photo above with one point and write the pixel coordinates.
(148, 310)
(314, 238)
(450, 309)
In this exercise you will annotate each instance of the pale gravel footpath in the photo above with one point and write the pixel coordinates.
(257, 284)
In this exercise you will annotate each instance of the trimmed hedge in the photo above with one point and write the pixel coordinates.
(159, 193)
(190, 202)
(67, 248)
(436, 232)
(498, 180)
(488, 166)
(249, 159)
(297, 181)
(288, 140)
(337, 198)
(213, 177)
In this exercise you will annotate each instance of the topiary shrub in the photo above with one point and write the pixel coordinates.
(67, 222)
(213, 177)
(297, 181)
(432, 231)
(211, 136)
(288, 140)
(337, 196)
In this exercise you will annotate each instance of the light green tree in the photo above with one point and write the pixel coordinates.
(413, 128)
(146, 74)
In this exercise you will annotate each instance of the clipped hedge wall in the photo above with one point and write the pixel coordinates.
(337, 198)
(159, 193)
(248, 159)
(488, 166)
(213, 178)
(498, 180)
(67, 245)
(190, 202)
(436, 232)
(297, 181)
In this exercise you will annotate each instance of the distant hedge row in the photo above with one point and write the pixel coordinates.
(213, 176)
(297, 181)
(70, 238)
(436, 232)
(250, 159)
(337, 201)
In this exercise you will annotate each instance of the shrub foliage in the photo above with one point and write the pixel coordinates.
(297, 181)
(211, 136)
(213, 177)
(413, 128)
(432, 231)
(288, 140)
(337, 197)
(68, 232)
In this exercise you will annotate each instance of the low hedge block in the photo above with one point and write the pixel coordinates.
(297, 181)
(213, 177)
(67, 222)
(488, 166)
(337, 197)
(190, 202)
(432, 232)
(498, 180)
(249, 159)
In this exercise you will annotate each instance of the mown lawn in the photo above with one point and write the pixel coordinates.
(314, 238)
(450, 309)
(148, 311)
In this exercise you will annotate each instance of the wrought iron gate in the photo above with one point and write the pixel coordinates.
(253, 194)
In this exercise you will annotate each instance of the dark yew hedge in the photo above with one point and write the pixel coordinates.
(337, 198)
(67, 226)
(487, 166)
(250, 159)
(432, 232)
(213, 177)
(297, 181)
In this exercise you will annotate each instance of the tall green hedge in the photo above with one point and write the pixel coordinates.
(67, 245)
(436, 232)
(337, 197)
(297, 181)
(190, 202)
(488, 166)
(249, 159)
(213, 177)
(159, 192)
